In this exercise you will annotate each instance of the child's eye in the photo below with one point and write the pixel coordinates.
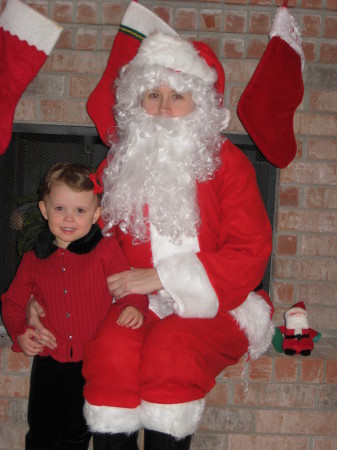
(81, 210)
(59, 208)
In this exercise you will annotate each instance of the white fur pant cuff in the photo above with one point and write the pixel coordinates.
(107, 419)
(178, 420)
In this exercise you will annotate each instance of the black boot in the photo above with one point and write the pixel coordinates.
(116, 441)
(154, 440)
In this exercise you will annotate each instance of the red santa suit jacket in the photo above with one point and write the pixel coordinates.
(219, 270)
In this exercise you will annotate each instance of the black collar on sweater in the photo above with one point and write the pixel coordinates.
(45, 246)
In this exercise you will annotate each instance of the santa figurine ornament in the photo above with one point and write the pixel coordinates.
(295, 337)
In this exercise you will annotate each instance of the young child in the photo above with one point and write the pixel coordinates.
(66, 272)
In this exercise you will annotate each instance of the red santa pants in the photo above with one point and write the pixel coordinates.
(166, 361)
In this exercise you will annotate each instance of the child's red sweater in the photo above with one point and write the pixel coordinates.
(71, 286)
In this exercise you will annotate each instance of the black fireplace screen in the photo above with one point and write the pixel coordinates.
(34, 149)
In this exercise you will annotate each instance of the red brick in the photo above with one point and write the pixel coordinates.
(267, 442)
(4, 410)
(218, 395)
(331, 372)
(309, 50)
(323, 100)
(17, 362)
(186, 19)
(325, 443)
(307, 221)
(328, 53)
(81, 87)
(256, 47)
(235, 22)
(14, 386)
(65, 40)
(213, 42)
(62, 11)
(235, 372)
(164, 13)
(330, 27)
(322, 149)
(236, 2)
(312, 4)
(107, 38)
(331, 4)
(87, 12)
(259, 23)
(26, 109)
(210, 20)
(296, 422)
(233, 48)
(112, 14)
(260, 369)
(317, 294)
(239, 72)
(77, 62)
(285, 369)
(12, 435)
(280, 395)
(308, 173)
(283, 293)
(286, 245)
(305, 269)
(261, 2)
(322, 319)
(289, 196)
(320, 197)
(315, 124)
(86, 39)
(311, 25)
(311, 370)
(69, 112)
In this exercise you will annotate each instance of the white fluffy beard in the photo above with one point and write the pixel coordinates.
(298, 322)
(157, 163)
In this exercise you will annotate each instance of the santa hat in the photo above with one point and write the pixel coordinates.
(298, 307)
(26, 39)
(268, 104)
(163, 47)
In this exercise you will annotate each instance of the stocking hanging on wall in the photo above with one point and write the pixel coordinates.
(268, 104)
(137, 23)
(26, 39)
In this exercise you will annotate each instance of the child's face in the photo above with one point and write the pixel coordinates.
(70, 214)
(164, 101)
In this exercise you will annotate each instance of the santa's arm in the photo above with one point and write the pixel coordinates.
(222, 278)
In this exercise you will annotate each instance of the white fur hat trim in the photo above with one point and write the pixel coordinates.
(174, 53)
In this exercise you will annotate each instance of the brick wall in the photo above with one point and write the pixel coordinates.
(291, 402)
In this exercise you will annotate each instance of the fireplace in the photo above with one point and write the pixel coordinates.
(35, 148)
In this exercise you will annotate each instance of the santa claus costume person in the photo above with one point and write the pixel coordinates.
(184, 204)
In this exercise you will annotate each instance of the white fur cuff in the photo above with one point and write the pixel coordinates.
(28, 25)
(185, 279)
(109, 419)
(178, 420)
(253, 317)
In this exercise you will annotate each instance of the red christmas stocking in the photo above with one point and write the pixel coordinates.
(268, 104)
(137, 23)
(26, 39)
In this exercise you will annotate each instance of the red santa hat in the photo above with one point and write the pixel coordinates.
(162, 47)
(268, 104)
(26, 39)
(298, 307)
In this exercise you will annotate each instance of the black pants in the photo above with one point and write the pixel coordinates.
(55, 408)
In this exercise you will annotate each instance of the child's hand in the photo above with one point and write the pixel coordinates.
(131, 317)
(29, 342)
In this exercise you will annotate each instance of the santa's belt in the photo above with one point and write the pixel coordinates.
(297, 336)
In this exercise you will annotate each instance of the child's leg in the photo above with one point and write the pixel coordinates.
(54, 389)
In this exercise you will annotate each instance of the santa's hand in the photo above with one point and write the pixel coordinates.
(134, 281)
(29, 343)
(33, 313)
